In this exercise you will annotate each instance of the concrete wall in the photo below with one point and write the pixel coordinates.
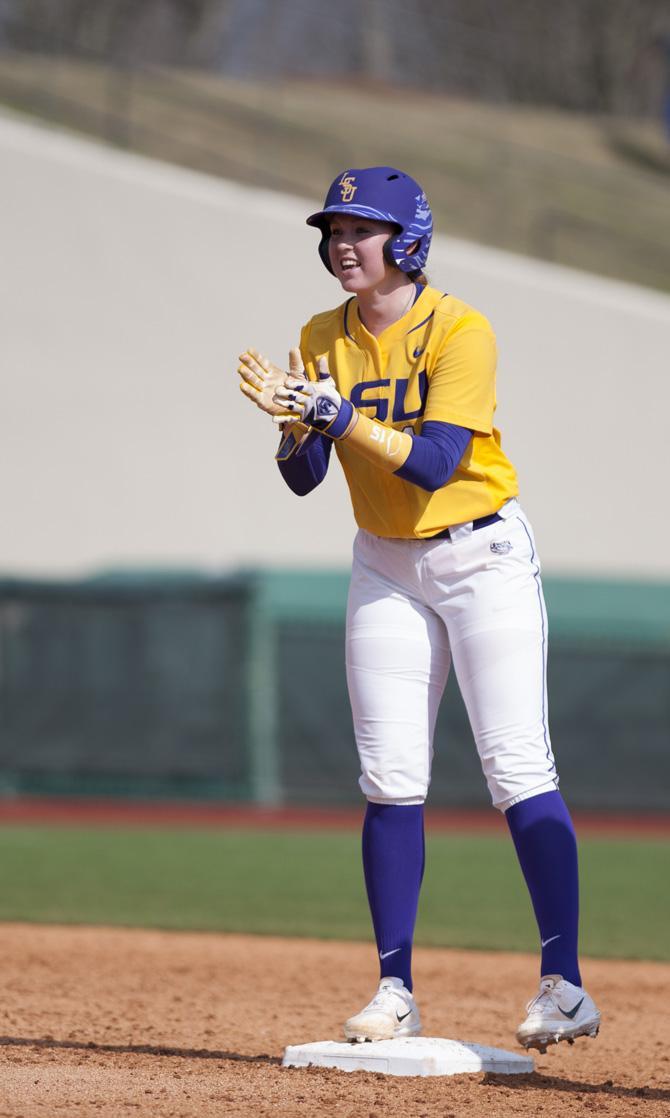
(127, 289)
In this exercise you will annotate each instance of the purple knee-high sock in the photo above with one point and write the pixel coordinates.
(393, 863)
(546, 846)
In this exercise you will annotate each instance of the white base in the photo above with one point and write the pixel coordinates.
(417, 1055)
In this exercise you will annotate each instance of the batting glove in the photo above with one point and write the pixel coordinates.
(260, 380)
(317, 404)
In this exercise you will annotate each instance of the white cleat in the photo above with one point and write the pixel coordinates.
(391, 1013)
(560, 1011)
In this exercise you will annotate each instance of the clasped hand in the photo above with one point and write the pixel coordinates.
(260, 379)
(290, 397)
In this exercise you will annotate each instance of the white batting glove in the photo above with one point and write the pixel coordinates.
(260, 380)
(315, 403)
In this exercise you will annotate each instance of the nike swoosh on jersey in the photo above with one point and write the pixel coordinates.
(385, 954)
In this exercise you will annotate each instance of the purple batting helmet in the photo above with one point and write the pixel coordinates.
(381, 194)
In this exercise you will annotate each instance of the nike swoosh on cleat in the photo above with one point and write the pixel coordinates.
(385, 954)
(571, 1012)
(551, 939)
(403, 1016)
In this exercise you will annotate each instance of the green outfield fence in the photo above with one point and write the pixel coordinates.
(182, 685)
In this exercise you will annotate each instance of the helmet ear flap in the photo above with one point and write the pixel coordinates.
(324, 248)
(388, 251)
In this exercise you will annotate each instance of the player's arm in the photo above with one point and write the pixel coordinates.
(303, 454)
(427, 460)
(460, 403)
(435, 455)
(307, 467)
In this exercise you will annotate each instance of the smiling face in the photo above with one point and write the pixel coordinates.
(356, 251)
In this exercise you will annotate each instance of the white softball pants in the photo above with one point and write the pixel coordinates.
(417, 605)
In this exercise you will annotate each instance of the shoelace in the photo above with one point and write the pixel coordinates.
(544, 1000)
(382, 998)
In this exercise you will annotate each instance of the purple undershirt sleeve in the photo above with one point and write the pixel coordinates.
(435, 454)
(307, 468)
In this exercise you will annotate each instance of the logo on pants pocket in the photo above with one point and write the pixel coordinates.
(501, 547)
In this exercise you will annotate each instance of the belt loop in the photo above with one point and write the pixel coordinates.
(510, 508)
(460, 531)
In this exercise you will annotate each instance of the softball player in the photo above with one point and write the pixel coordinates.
(400, 379)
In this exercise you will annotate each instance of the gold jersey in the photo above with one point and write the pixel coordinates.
(437, 362)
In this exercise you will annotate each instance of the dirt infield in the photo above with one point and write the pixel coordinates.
(108, 1022)
(112, 812)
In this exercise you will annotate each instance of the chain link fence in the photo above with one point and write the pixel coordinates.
(234, 690)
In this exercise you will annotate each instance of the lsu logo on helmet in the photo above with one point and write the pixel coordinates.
(381, 194)
(347, 188)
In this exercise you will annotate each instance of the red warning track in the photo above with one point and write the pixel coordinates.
(133, 813)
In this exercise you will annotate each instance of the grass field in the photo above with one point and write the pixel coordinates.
(582, 190)
(310, 884)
